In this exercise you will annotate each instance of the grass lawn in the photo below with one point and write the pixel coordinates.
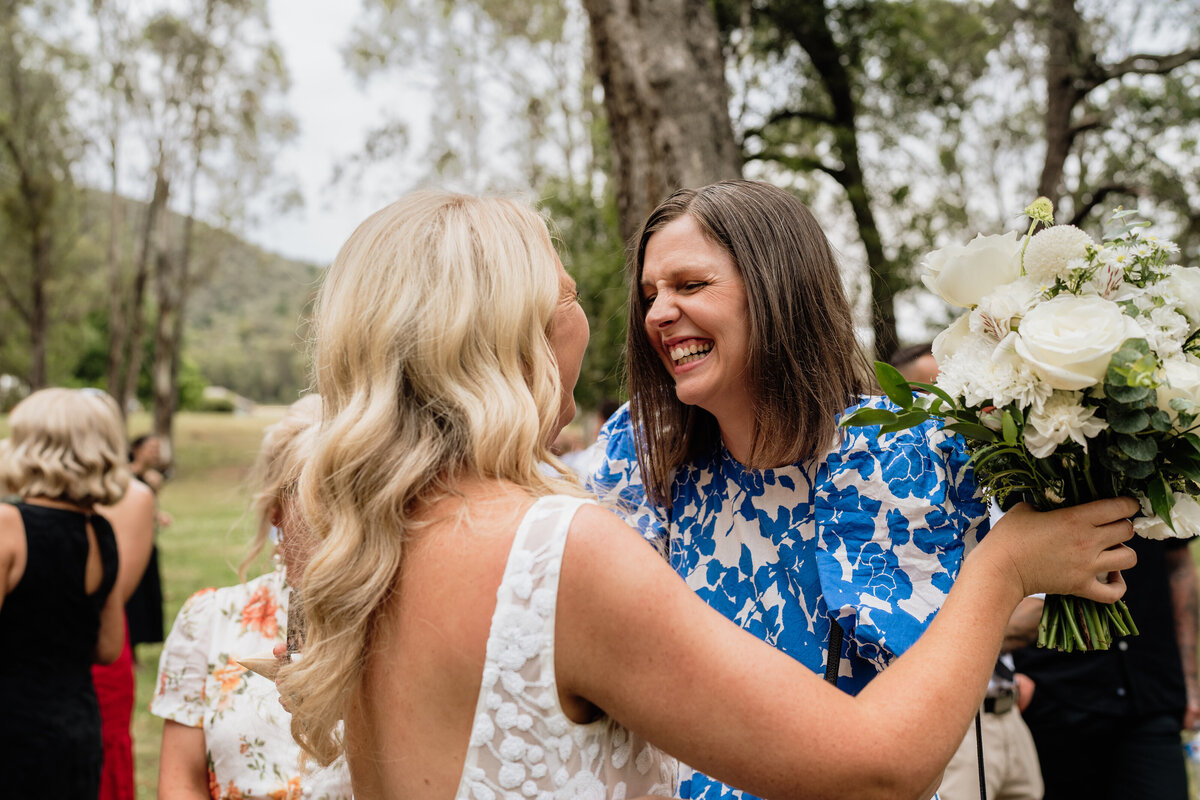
(208, 497)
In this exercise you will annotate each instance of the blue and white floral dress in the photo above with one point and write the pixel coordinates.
(872, 532)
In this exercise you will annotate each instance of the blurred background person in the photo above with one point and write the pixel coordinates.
(1010, 768)
(144, 607)
(916, 362)
(59, 609)
(225, 733)
(133, 522)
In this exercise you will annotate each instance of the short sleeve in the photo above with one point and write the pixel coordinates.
(895, 516)
(612, 474)
(183, 666)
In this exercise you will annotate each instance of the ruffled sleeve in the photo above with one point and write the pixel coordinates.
(895, 516)
(183, 666)
(613, 476)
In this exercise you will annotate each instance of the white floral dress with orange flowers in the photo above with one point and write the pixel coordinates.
(248, 742)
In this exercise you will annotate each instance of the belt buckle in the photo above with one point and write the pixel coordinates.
(1000, 704)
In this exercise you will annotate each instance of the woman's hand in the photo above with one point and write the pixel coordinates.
(1077, 550)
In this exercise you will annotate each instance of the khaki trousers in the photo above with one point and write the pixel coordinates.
(1010, 762)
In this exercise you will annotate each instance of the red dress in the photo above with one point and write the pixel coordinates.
(114, 691)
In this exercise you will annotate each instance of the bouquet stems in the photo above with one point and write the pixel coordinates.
(1072, 624)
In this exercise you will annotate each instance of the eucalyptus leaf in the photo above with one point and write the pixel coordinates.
(1137, 470)
(1138, 448)
(1128, 421)
(1126, 394)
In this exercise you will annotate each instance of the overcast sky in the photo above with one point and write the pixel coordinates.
(333, 112)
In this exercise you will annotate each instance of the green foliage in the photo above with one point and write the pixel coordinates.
(214, 405)
(589, 241)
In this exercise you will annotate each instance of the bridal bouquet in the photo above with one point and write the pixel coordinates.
(1074, 375)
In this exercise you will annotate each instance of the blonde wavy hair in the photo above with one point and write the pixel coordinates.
(66, 444)
(285, 446)
(433, 362)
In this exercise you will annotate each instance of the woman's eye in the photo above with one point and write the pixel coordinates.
(692, 286)
(648, 300)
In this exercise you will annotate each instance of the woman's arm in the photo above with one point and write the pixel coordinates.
(12, 549)
(132, 520)
(635, 641)
(111, 639)
(182, 766)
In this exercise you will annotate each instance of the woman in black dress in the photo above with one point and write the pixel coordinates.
(58, 563)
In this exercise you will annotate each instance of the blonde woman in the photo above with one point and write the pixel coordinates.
(59, 612)
(486, 632)
(225, 734)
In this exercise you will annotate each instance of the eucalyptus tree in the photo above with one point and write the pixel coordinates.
(211, 76)
(1121, 112)
(39, 148)
(513, 106)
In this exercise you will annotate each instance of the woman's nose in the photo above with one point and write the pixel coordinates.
(662, 311)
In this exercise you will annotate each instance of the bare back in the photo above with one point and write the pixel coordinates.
(407, 730)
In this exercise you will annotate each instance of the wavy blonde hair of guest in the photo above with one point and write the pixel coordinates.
(285, 446)
(433, 361)
(66, 444)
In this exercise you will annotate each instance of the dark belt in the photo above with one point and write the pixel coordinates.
(1001, 703)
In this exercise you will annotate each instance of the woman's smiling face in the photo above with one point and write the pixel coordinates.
(697, 319)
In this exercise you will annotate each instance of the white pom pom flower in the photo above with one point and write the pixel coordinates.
(1051, 251)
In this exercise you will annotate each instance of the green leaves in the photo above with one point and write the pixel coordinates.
(893, 384)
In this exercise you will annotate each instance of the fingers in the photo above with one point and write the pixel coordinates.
(1102, 512)
(1115, 559)
(1109, 592)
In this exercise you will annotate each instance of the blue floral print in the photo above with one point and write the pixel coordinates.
(872, 533)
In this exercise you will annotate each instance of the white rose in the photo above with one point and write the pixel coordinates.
(951, 340)
(1180, 378)
(1185, 516)
(962, 274)
(1184, 283)
(1068, 341)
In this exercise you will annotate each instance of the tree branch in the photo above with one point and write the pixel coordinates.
(1099, 195)
(798, 163)
(1149, 64)
(17, 305)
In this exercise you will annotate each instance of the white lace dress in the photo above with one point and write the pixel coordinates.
(522, 744)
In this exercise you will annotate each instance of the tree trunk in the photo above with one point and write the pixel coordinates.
(38, 317)
(166, 286)
(117, 327)
(663, 72)
(807, 22)
(1062, 93)
(146, 250)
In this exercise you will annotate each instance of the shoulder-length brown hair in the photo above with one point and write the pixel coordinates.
(805, 365)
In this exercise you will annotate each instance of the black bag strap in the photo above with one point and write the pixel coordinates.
(835, 652)
(979, 755)
(834, 659)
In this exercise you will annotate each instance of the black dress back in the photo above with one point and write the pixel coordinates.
(50, 743)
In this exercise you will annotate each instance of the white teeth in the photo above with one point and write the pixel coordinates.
(688, 353)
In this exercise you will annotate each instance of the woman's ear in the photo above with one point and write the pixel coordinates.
(276, 515)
